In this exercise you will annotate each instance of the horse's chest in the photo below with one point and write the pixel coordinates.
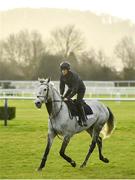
(60, 127)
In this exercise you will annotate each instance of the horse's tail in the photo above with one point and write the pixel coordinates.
(109, 126)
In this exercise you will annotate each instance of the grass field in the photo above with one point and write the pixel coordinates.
(22, 144)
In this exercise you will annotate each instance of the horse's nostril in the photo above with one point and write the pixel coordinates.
(38, 104)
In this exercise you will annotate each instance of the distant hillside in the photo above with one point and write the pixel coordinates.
(100, 31)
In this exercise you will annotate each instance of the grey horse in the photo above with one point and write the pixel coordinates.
(60, 122)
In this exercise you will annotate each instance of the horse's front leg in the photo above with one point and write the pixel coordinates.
(62, 151)
(50, 138)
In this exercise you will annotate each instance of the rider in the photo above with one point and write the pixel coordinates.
(75, 86)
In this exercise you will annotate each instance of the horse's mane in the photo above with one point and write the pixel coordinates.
(53, 86)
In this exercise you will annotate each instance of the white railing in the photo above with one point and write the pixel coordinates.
(87, 99)
(17, 92)
(32, 84)
(93, 88)
(90, 91)
(111, 91)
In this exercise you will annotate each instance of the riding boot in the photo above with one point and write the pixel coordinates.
(80, 121)
(82, 115)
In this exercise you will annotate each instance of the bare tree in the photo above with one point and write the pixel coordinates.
(125, 50)
(24, 50)
(67, 40)
(101, 57)
(23, 47)
(1, 51)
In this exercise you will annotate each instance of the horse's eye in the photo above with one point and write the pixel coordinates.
(45, 89)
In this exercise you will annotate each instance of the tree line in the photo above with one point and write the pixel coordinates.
(26, 56)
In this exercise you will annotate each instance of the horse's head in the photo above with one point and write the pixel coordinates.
(42, 92)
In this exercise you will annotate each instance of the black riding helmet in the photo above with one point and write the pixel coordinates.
(65, 65)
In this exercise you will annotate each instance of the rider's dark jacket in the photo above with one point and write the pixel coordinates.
(74, 83)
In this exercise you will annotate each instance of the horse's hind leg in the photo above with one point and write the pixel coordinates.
(101, 157)
(95, 135)
(62, 151)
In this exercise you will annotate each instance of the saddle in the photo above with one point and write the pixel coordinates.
(72, 106)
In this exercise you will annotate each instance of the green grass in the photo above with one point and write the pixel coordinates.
(23, 141)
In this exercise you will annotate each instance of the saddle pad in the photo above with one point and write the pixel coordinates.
(74, 110)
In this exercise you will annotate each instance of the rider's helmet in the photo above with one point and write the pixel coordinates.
(65, 65)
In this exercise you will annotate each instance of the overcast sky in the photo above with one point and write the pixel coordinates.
(122, 8)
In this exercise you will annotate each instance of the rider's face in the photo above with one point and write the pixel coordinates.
(64, 72)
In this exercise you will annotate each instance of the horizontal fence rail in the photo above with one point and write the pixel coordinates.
(87, 99)
(111, 89)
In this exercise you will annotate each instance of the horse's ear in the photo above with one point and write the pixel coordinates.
(41, 80)
(49, 79)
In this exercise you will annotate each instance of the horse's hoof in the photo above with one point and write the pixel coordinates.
(105, 160)
(83, 165)
(39, 169)
(73, 164)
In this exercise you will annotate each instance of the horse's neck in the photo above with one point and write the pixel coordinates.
(56, 101)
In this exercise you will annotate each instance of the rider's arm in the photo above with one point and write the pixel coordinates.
(67, 93)
(75, 85)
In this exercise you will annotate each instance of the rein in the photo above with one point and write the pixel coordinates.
(54, 116)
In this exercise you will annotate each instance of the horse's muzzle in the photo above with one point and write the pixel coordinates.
(38, 104)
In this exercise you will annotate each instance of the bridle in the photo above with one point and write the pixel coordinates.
(45, 97)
